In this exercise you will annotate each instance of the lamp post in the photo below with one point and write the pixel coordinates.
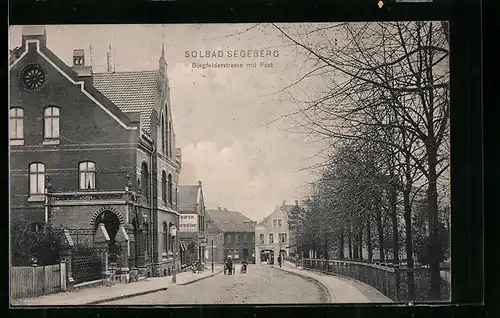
(173, 232)
(212, 255)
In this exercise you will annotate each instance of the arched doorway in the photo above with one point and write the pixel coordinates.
(267, 257)
(112, 225)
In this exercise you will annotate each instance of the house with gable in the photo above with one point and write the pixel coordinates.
(231, 234)
(94, 153)
(273, 235)
(192, 222)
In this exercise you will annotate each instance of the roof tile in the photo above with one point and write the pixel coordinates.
(130, 91)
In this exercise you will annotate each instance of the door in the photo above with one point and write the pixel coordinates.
(245, 254)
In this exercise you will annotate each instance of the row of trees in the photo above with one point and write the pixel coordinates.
(378, 95)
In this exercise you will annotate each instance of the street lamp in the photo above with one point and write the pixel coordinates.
(212, 255)
(173, 232)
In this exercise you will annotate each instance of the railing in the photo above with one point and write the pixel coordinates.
(86, 267)
(37, 280)
(88, 195)
(399, 284)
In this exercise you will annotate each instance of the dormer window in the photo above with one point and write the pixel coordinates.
(16, 129)
(51, 125)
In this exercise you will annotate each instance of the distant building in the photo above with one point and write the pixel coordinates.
(273, 235)
(191, 222)
(233, 235)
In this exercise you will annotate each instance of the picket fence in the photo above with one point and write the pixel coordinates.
(36, 281)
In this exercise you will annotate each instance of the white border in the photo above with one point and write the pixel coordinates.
(81, 83)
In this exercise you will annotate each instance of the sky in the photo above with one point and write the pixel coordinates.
(224, 118)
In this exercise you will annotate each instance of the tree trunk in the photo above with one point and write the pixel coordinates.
(432, 205)
(369, 239)
(341, 245)
(349, 242)
(380, 230)
(409, 242)
(360, 241)
(326, 246)
(394, 220)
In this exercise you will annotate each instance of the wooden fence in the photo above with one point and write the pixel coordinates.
(399, 284)
(37, 280)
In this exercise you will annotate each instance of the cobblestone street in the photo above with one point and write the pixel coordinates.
(262, 284)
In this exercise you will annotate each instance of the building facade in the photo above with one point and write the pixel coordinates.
(272, 235)
(192, 223)
(233, 235)
(94, 153)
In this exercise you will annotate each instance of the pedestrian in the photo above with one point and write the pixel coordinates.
(279, 260)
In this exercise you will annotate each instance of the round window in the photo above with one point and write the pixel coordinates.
(33, 77)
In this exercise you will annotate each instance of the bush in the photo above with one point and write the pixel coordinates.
(28, 245)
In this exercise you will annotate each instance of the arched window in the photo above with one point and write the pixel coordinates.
(37, 178)
(170, 189)
(163, 134)
(145, 181)
(51, 123)
(16, 120)
(164, 187)
(165, 237)
(87, 175)
(170, 139)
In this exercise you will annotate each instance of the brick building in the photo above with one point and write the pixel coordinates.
(233, 235)
(192, 222)
(95, 153)
(273, 235)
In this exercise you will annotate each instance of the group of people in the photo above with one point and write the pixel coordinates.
(229, 267)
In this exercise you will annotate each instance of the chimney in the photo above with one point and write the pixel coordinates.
(219, 208)
(225, 210)
(35, 32)
(296, 202)
(199, 183)
(135, 118)
(284, 202)
(83, 72)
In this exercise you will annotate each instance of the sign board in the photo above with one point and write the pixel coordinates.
(188, 223)
(203, 243)
(204, 240)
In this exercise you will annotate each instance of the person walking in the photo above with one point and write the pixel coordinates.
(279, 260)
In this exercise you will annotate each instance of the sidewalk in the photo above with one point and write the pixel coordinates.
(97, 295)
(342, 290)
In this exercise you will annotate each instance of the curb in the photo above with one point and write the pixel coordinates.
(100, 301)
(381, 298)
(325, 288)
(201, 278)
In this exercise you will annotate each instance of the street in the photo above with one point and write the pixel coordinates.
(261, 284)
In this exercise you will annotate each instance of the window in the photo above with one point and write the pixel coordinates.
(282, 237)
(170, 195)
(164, 187)
(170, 139)
(51, 123)
(280, 222)
(245, 240)
(16, 129)
(165, 237)
(167, 141)
(145, 181)
(228, 237)
(271, 238)
(37, 178)
(275, 223)
(236, 238)
(87, 175)
(162, 134)
(262, 239)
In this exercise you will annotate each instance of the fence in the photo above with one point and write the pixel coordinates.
(87, 267)
(37, 280)
(399, 284)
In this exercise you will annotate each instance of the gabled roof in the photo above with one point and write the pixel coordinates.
(71, 75)
(231, 221)
(285, 209)
(131, 92)
(189, 196)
